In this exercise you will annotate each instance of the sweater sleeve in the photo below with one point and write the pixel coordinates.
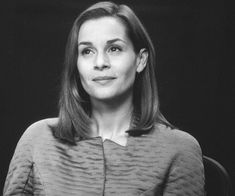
(19, 177)
(186, 175)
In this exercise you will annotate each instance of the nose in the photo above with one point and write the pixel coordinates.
(102, 61)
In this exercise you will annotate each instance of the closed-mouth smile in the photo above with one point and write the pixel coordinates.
(101, 78)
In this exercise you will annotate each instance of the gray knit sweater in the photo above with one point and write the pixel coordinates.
(164, 162)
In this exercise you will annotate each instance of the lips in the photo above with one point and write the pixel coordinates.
(103, 78)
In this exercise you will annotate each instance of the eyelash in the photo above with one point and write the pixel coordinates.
(110, 49)
(84, 51)
(117, 49)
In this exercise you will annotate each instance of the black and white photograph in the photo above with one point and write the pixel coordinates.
(117, 98)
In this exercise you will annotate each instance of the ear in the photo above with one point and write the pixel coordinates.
(142, 60)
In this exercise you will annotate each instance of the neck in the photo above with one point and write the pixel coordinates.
(111, 119)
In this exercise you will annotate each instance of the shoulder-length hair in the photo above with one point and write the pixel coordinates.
(74, 104)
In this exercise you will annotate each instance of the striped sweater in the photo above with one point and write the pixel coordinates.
(164, 162)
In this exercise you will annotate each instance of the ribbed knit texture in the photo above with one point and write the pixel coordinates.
(164, 162)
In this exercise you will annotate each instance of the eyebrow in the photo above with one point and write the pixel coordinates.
(84, 43)
(115, 40)
(108, 42)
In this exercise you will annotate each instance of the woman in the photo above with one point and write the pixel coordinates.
(110, 137)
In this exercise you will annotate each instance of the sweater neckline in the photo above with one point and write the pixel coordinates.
(112, 141)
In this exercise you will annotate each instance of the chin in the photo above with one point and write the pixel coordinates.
(112, 97)
(104, 97)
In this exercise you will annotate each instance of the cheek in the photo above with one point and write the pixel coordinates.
(82, 70)
(84, 79)
(130, 70)
(130, 76)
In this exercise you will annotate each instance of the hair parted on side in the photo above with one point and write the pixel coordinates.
(74, 104)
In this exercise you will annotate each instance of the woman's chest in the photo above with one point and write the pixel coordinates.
(100, 168)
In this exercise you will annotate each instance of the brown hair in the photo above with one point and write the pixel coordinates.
(74, 104)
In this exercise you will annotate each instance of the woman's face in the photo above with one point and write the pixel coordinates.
(107, 63)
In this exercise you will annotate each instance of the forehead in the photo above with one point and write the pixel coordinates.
(102, 28)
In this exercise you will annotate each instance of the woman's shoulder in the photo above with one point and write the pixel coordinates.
(44, 123)
(175, 138)
(38, 130)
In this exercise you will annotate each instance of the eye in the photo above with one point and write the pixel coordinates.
(115, 49)
(86, 51)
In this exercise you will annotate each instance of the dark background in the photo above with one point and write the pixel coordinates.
(194, 41)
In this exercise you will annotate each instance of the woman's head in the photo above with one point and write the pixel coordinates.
(107, 62)
(74, 100)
